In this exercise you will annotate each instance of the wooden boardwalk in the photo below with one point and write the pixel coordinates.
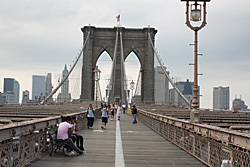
(142, 147)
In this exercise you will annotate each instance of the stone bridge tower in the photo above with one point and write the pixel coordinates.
(104, 39)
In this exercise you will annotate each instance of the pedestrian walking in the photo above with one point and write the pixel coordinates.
(134, 112)
(124, 108)
(90, 116)
(112, 111)
(116, 107)
(119, 111)
(104, 116)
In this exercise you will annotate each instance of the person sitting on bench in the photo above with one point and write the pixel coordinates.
(63, 133)
(75, 136)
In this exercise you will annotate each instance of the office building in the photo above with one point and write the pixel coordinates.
(38, 86)
(161, 86)
(7, 98)
(26, 96)
(186, 88)
(8, 85)
(2, 97)
(221, 98)
(239, 104)
(16, 91)
(64, 96)
(48, 86)
(12, 87)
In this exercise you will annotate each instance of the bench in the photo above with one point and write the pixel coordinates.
(56, 144)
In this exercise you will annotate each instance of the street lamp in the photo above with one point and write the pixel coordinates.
(196, 16)
(132, 86)
(97, 78)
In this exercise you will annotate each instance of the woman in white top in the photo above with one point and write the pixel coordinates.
(119, 111)
(104, 116)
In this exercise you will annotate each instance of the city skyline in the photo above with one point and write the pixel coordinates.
(37, 38)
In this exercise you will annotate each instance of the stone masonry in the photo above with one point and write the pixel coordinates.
(134, 40)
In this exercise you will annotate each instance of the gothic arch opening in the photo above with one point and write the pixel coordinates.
(132, 67)
(104, 63)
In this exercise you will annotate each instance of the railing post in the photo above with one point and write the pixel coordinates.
(209, 153)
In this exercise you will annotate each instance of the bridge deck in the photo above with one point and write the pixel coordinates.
(142, 147)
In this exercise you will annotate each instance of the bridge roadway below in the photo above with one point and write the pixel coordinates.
(141, 147)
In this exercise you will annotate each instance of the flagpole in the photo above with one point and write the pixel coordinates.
(120, 18)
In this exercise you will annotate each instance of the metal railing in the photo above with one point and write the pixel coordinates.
(212, 145)
(23, 142)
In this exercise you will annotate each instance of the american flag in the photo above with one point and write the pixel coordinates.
(118, 18)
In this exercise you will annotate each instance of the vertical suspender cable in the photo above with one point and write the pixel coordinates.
(112, 77)
(124, 83)
(137, 84)
(169, 78)
(71, 69)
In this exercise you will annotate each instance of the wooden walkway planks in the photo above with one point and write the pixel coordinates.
(142, 147)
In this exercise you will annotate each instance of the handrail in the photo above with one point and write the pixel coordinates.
(22, 128)
(219, 134)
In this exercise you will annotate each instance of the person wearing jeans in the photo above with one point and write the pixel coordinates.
(75, 136)
(90, 116)
(134, 112)
(63, 133)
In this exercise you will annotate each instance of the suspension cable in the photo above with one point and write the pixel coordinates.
(169, 78)
(124, 85)
(137, 83)
(71, 69)
(111, 83)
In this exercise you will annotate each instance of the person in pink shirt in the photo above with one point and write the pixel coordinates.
(63, 133)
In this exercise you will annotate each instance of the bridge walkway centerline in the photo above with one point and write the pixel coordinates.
(142, 147)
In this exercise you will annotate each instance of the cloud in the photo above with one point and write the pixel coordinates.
(39, 36)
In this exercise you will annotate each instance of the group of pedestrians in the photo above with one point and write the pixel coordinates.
(115, 108)
(67, 130)
(106, 110)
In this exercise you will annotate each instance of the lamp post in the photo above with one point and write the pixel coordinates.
(195, 17)
(96, 78)
(132, 86)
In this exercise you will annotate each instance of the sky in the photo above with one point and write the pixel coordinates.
(41, 36)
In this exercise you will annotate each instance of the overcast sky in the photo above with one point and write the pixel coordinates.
(40, 36)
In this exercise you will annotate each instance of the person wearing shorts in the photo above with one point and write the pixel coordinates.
(119, 111)
(104, 116)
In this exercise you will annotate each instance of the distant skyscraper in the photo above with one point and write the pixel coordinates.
(16, 91)
(239, 104)
(161, 86)
(221, 97)
(48, 86)
(64, 96)
(38, 86)
(26, 95)
(8, 85)
(186, 88)
(12, 86)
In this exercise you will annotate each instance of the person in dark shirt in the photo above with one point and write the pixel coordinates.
(134, 112)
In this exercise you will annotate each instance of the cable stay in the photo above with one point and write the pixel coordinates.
(112, 77)
(99, 88)
(137, 87)
(167, 75)
(123, 73)
(71, 69)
